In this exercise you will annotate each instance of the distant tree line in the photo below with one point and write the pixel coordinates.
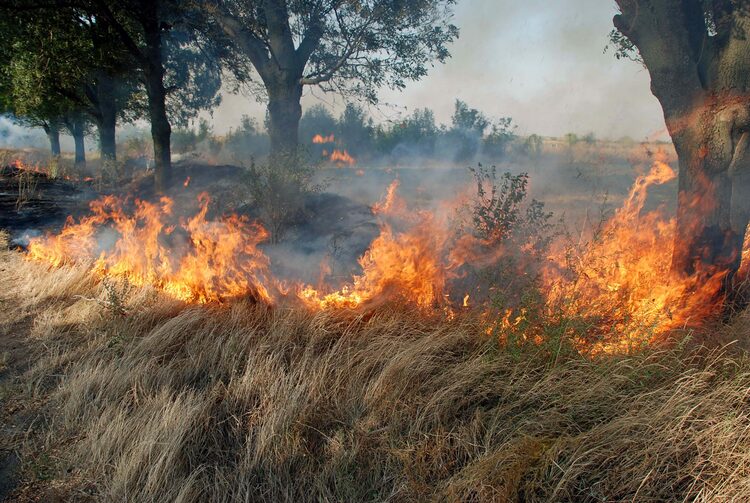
(471, 134)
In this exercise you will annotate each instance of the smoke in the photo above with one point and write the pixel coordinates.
(14, 136)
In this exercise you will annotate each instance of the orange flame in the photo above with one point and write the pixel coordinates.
(186, 182)
(195, 260)
(342, 157)
(319, 139)
(619, 284)
(404, 265)
(622, 280)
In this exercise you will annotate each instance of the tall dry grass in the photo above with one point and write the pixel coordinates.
(157, 401)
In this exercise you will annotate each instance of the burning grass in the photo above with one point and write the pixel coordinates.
(159, 401)
(503, 258)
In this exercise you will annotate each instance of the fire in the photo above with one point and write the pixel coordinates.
(622, 280)
(342, 157)
(320, 139)
(193, 260)
(390, 203)
(406, 265)
(186, 182)
(618, 285)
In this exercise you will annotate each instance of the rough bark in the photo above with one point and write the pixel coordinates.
(53, 135)
(285, 112)
(107, 120)
(280, 66)
(701, 77)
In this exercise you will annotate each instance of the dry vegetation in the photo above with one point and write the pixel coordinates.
(123, 395)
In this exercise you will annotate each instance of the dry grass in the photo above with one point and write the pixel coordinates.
(161, 402)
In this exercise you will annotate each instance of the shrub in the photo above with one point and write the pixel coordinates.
(279, 192)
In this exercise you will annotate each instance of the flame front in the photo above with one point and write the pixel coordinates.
(622, 280)
(320, 139)
(402, 265)
(193, 260)
(618, 285)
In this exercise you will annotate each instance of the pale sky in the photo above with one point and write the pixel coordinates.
(541, 62)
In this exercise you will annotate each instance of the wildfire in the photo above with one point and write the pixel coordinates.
(618, 285)
(342, 157)
(398, 265)
(621, 281)
(186, 182)
(320, 139)
(194, 260)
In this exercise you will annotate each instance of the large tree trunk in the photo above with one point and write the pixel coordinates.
(161, 130)
(706, 240)
(700, 73)
(77, 131)
(285, 112)
(53, 135)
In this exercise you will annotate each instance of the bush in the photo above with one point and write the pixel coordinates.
(511, 233)
(279, 192)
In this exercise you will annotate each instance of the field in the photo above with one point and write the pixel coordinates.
(117, 392)
(133, 397)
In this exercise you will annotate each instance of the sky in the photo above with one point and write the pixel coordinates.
(541, 62)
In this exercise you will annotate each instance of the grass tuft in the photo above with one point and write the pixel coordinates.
(241, 402)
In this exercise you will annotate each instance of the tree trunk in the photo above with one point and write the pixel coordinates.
(285, 112)
(700, 73)
(53, 135)
(77, 130)
(705, 238)
(161, 130)
(107, 120)
(712, 204)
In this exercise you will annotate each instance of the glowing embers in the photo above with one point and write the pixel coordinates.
(192, 259)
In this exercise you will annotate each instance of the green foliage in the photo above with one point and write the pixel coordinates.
(187, 139)
(623, 47)
(355, 129)
(513, 232)
(417, 134)
(352, 48)
(279, 192)
(532, 146)
(245, 142)
(469, 119)
(496, 143)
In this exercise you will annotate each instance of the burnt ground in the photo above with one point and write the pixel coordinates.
(331, 226)
(49, 201)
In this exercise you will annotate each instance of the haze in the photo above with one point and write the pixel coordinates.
(542, 63)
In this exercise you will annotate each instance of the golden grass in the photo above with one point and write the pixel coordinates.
(166, 402)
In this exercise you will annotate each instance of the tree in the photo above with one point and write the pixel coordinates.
(25, 108)
(467, 129)
(353, 47)
(697, 53)
(68, 57)
(317, 120)
(174, 58)
(355, 129)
